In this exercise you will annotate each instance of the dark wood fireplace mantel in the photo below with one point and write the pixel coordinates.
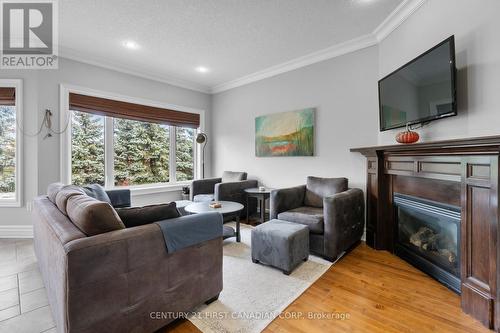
(487, 142)
(460, 172)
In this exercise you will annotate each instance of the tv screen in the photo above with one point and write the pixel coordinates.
(420, 91)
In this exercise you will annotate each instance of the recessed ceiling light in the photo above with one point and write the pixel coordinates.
(130, 44)
(202, 69)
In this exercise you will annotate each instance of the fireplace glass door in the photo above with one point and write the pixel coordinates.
(429, 236)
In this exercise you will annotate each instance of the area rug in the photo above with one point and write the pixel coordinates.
(253, 294)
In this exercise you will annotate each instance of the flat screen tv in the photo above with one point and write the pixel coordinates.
(420, 91)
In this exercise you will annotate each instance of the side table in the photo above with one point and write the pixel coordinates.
(261, 196)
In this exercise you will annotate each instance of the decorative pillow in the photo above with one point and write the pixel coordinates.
(52, 191)
(96, 191)
(232, 176)
(64, 194)
(91, 216)
(317, 188)
(136, 216)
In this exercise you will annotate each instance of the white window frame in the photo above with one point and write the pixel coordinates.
(65, 117)
(17, 201)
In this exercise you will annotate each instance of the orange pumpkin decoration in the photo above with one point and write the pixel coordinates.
(407, 136)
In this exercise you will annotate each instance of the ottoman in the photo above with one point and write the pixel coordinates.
(280, 244)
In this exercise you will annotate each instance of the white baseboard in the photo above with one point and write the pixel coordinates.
(16, 231)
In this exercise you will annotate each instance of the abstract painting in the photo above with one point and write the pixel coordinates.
(285, 134)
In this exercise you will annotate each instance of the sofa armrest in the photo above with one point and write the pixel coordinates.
(119, 198)
(203, 186)
(285, 199)
(344, 221)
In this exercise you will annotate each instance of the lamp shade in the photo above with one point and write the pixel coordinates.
(201, 138)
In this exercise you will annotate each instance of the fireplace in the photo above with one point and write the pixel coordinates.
(428, 237)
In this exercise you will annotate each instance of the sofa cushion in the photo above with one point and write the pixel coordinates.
(136, 216)
(64, 194)
(233, 176)
(52, 191)
(96, 191)
(203, 198)
(91, 216)
(317, 188)
(311, 216)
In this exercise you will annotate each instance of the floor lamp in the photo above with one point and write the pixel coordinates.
(202, 138)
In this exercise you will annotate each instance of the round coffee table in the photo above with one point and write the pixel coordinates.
(229, 208)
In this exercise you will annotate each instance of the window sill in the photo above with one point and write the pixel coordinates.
(10, 204)
(153, 189)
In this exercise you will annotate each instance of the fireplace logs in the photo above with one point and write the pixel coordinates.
(428, 240)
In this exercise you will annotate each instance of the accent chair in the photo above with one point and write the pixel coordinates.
(230, 187)
(333, 213)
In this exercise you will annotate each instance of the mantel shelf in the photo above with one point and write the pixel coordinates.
(484, 141)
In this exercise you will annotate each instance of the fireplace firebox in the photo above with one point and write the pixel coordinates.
(428, 237)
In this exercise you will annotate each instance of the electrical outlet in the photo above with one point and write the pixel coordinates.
(29, 206)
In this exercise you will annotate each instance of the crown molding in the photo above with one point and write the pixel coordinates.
(400, 14)
(16, 231)
(309, 59)
(101, 62)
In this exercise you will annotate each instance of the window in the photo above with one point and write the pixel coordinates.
(7, 151)
(10, 143)
(87, 149)
(184, 154)
(116, 151)
(141, 152)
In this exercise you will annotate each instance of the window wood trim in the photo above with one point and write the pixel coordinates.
(7, 96)
(132, 111)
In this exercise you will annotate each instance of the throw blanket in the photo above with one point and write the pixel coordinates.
(185, 231)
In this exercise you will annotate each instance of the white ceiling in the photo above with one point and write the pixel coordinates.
(233, 38)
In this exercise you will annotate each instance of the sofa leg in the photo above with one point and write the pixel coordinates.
(286, 272)
(213, 299)
(255, 261)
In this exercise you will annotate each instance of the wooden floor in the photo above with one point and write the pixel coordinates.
(373, 291)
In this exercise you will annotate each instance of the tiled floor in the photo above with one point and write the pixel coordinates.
(24, 307)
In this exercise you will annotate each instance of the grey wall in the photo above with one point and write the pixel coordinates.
(41, 91)
(344, 91)
(475, 25)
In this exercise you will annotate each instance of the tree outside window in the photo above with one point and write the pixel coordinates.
(7, 152)
(184, 153)
(140, 151)
(87, 149)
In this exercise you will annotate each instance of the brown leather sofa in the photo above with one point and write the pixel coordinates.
(123, 280)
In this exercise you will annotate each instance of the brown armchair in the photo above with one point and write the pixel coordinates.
(333, 213)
